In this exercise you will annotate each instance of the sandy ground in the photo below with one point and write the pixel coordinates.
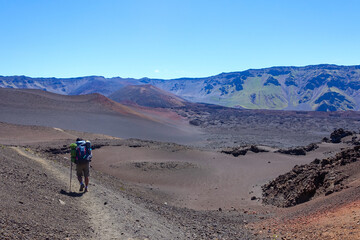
(201, 180)
(22, 135)
(149, 189)
(38, 203)
(139, 190)
(107, 214)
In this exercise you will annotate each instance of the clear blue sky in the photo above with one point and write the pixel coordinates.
(173, 38)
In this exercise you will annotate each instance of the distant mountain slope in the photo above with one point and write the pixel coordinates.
(68, 86)
(318, 87)
(148, 96)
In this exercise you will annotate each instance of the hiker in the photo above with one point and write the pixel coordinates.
(82, 159)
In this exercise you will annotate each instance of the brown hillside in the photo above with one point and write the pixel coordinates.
(31, 98)
(148, 96)
(91, 113)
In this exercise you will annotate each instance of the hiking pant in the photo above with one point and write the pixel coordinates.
(83, 169)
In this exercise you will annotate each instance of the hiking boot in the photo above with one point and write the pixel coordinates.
(82, 187)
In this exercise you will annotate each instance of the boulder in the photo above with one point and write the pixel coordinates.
(338, 134)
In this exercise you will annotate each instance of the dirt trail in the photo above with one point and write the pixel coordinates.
(113, 216)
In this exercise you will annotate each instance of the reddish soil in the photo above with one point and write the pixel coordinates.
(331, 217)
(160, 190)
(200, 177)
(159, 179)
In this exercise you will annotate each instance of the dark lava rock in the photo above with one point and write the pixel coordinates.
(195, 122)
(237, 151)
(292, 151)
(355, 140)
(255, 149)
(311, 147)
(62, 150)
(316, 161)
(338, 134)
(299, 150)
(304, 182)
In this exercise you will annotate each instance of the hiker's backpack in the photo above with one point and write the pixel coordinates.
(83, 152)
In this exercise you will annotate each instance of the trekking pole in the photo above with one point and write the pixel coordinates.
(70, 175)
(72, 159)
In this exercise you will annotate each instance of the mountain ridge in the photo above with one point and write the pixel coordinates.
(323, 87)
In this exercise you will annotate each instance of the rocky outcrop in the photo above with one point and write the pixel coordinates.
(305, 182)
(338, 134)
(299, 150)
(237, 151)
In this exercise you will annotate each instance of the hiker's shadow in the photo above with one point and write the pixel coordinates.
(71, 194)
